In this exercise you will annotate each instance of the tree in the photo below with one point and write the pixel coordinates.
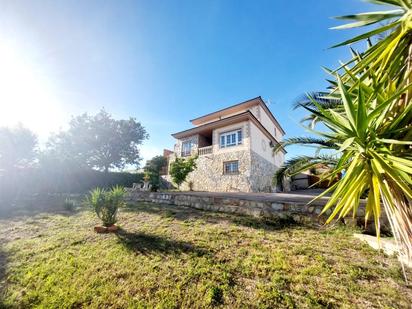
(371, 123)
(153, 168)
(17, 147)
(180, 168)
(99, 141)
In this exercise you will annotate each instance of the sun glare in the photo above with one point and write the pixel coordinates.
(27, 95)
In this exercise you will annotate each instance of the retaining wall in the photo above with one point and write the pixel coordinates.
(253, 206)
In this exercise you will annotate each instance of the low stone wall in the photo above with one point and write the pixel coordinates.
(264, 208)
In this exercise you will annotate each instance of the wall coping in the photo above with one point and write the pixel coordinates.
(279, 197)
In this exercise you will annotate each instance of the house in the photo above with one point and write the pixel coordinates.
(234, 148)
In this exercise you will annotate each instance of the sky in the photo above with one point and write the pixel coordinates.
(163, 62)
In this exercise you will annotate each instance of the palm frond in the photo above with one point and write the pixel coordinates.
(324, 99)
(300, 164)
(308, 141)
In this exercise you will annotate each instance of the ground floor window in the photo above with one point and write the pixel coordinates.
(231, 167)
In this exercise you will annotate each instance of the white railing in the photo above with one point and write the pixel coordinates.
(205, 150)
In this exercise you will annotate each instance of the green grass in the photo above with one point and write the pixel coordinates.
(170, 257)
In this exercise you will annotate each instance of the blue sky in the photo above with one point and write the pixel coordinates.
(164, 62)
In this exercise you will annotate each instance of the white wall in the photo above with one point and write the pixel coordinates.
(267, 122)
(261, 145)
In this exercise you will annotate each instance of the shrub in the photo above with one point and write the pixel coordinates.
(106, 203)
(180, 168)
(69, 204)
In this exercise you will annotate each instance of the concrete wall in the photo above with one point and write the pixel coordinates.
(267, 122)
(261, 144)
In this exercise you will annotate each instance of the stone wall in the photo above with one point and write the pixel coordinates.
(270, 209)
(208, 176)
(261, 174)
(255, 173)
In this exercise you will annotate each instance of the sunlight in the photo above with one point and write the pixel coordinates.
(26, 94)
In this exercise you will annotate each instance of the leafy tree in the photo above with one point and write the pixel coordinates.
(180, 168)
(99, 141)
(17, 147)
(153, 168)
(368, 117)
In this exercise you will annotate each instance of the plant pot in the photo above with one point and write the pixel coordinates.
(113, 228)
(100, 229)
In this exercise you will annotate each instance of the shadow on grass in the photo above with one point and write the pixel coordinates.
(187, 213)
(30, 206)
(3, 265)
(147, 243)
(34, 210)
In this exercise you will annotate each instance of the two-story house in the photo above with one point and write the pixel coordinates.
(234, 148)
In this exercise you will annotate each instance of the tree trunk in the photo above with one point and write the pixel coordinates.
(400, 219)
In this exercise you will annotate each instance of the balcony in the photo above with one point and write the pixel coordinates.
(205, 150)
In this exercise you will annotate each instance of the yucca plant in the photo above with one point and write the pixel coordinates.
(376, 157)
(69, 204)
(375, 154)
(106, 203)
(390, 57)
(368, 114)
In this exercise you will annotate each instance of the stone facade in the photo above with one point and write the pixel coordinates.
(255, 172)
(261, 174)
(253, 131)
(208, 176)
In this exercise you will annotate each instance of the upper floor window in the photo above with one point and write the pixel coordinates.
(186, 148)
(231, 138)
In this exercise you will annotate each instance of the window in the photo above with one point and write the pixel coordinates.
(231, 138)
(231, 167)
(275, 131)
(186, 149)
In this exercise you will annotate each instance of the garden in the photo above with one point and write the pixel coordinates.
(170, 256)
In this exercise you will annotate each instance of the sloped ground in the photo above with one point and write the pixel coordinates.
(169, 256)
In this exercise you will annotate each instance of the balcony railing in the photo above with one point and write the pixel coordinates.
(205, 150)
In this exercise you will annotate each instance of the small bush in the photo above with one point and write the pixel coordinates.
(180, 168)
(69, 204)
(215, 296)
(106, 203)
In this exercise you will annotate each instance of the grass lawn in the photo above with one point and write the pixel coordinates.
(168, 256)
